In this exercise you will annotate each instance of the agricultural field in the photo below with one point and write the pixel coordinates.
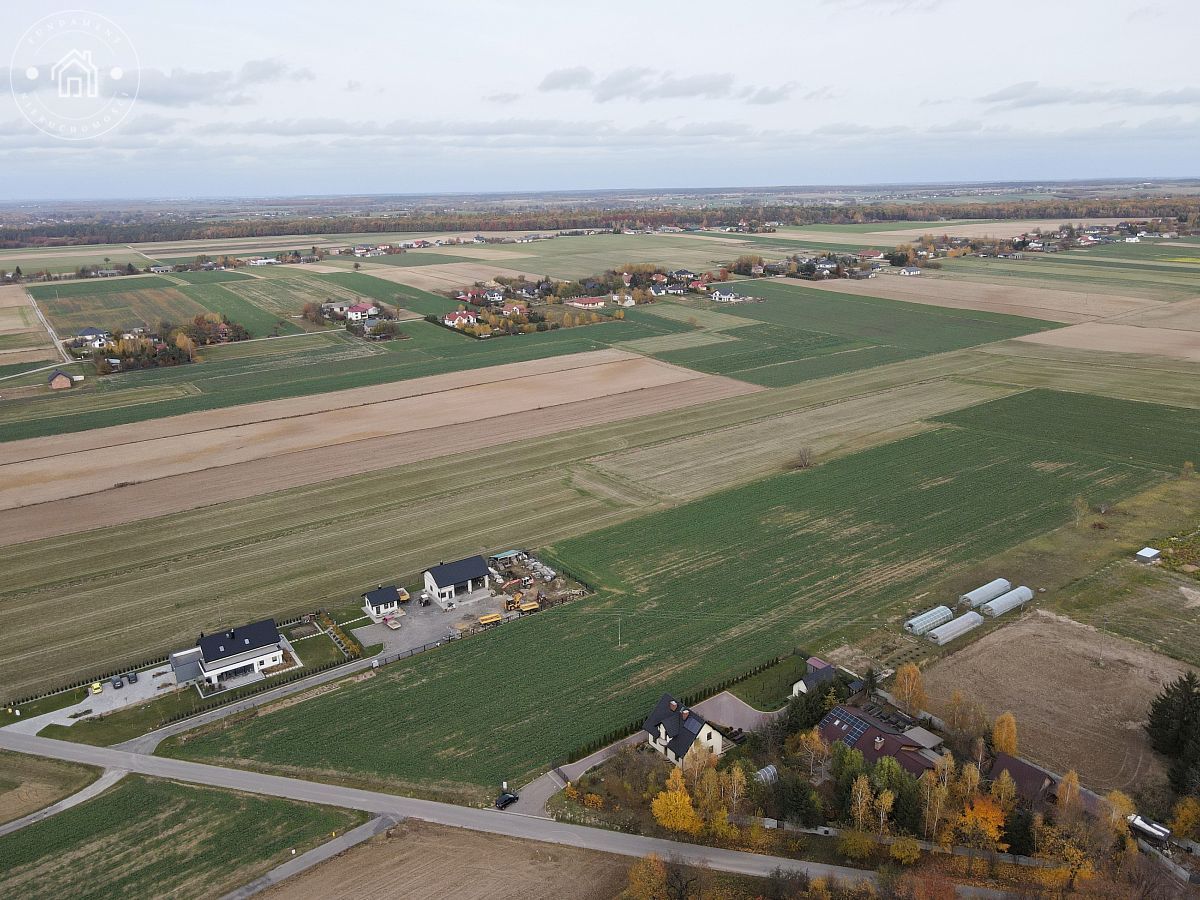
(714, 586)
(213, 277)
(1114, 680)
(807, 334)
(1116, 429)
(284, 297)
(258, 321)
(24, 342)
(69, 290)
(30, 783)
(113, 310)
(150, 838)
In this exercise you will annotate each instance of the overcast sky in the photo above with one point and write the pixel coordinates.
(258, 97)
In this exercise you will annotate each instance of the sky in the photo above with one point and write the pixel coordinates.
(264, 98)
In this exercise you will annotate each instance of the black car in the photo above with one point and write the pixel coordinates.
(505, 800)
(132, 677)
(117, 682)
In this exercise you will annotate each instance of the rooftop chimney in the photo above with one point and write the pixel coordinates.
(684, 714)
(674, 706)
(878, 744)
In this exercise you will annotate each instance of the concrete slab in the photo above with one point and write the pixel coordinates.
(151, 683)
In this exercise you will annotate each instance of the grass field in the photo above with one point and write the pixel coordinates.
(149, 838)
(417, 258)
(214, 277)
(93, 286)
(1144, 434)
(806, 334)
(258, 321)
(805, 559)
(30, 783)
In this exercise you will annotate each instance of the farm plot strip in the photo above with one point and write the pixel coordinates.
(234, 481)
(26, 482)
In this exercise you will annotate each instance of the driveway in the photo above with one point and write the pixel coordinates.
(151, 683)
(422, 625)
(486, 820)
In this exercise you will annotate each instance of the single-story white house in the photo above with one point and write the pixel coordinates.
(450, 580)
(159, 270)
(336, 307)
(383, 601)
(675, 731)
(910, 270)
(227, 654)
(587, 303)
(725, 296)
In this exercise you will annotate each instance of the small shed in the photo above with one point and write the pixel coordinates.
(1145, 555)
(59, 380)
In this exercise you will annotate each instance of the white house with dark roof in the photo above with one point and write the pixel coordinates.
(675, 731)
(236, 653)
(817, 673)
(456, 580)
(383, 601)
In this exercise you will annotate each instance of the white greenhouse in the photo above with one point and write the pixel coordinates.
(1002, 604)
(989, 591)
(955, 628)
(931, 618)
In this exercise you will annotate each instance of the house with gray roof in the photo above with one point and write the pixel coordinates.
(455, 580)
(675, 731)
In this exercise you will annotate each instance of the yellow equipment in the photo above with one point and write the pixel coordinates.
(531, 607)
(490, 619)
(513, 603)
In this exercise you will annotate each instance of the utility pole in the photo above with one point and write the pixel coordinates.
(618, 632)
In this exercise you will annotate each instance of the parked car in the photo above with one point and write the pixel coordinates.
(117, 682)
(97, 687)
(132, 677)
(505, 800)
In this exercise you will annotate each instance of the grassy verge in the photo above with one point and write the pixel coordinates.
(770, 689)
(29, 783)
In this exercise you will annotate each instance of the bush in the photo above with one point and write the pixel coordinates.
(856, 845)
(905, 851)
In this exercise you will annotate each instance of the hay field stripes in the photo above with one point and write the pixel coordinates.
(687, 468)
(284, 297)
(712, 585)
(69, 403)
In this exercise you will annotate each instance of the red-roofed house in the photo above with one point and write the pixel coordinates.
(858, 731)
(870, 254)
(698, 285)
(513, 309)
(360, 311)
(459, 318)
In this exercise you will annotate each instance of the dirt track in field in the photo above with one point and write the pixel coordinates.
(1070, 307)
(1080, 696)
(420, 861)
(1111, 337)
(54, 491)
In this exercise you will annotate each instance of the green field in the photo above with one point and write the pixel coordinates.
(1144, 434)
(259, 322)
(93, 286)
(117, 310)
(366, 285)
(417, 258)
(807, 334)
(213, 277)
(150, 838)
(703, 591)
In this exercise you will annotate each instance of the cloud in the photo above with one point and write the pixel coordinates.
(353, 86)
(504, 97)
(1026, 94)
(567, 79)
(182, 87)
(644, 84)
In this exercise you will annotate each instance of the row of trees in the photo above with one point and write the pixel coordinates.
(565, 218)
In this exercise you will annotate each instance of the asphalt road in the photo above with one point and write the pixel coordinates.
(486, 820)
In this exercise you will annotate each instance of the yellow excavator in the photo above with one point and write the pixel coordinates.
(513, 603)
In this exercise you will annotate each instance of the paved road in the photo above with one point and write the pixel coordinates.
(304, 861)
(486, 820)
